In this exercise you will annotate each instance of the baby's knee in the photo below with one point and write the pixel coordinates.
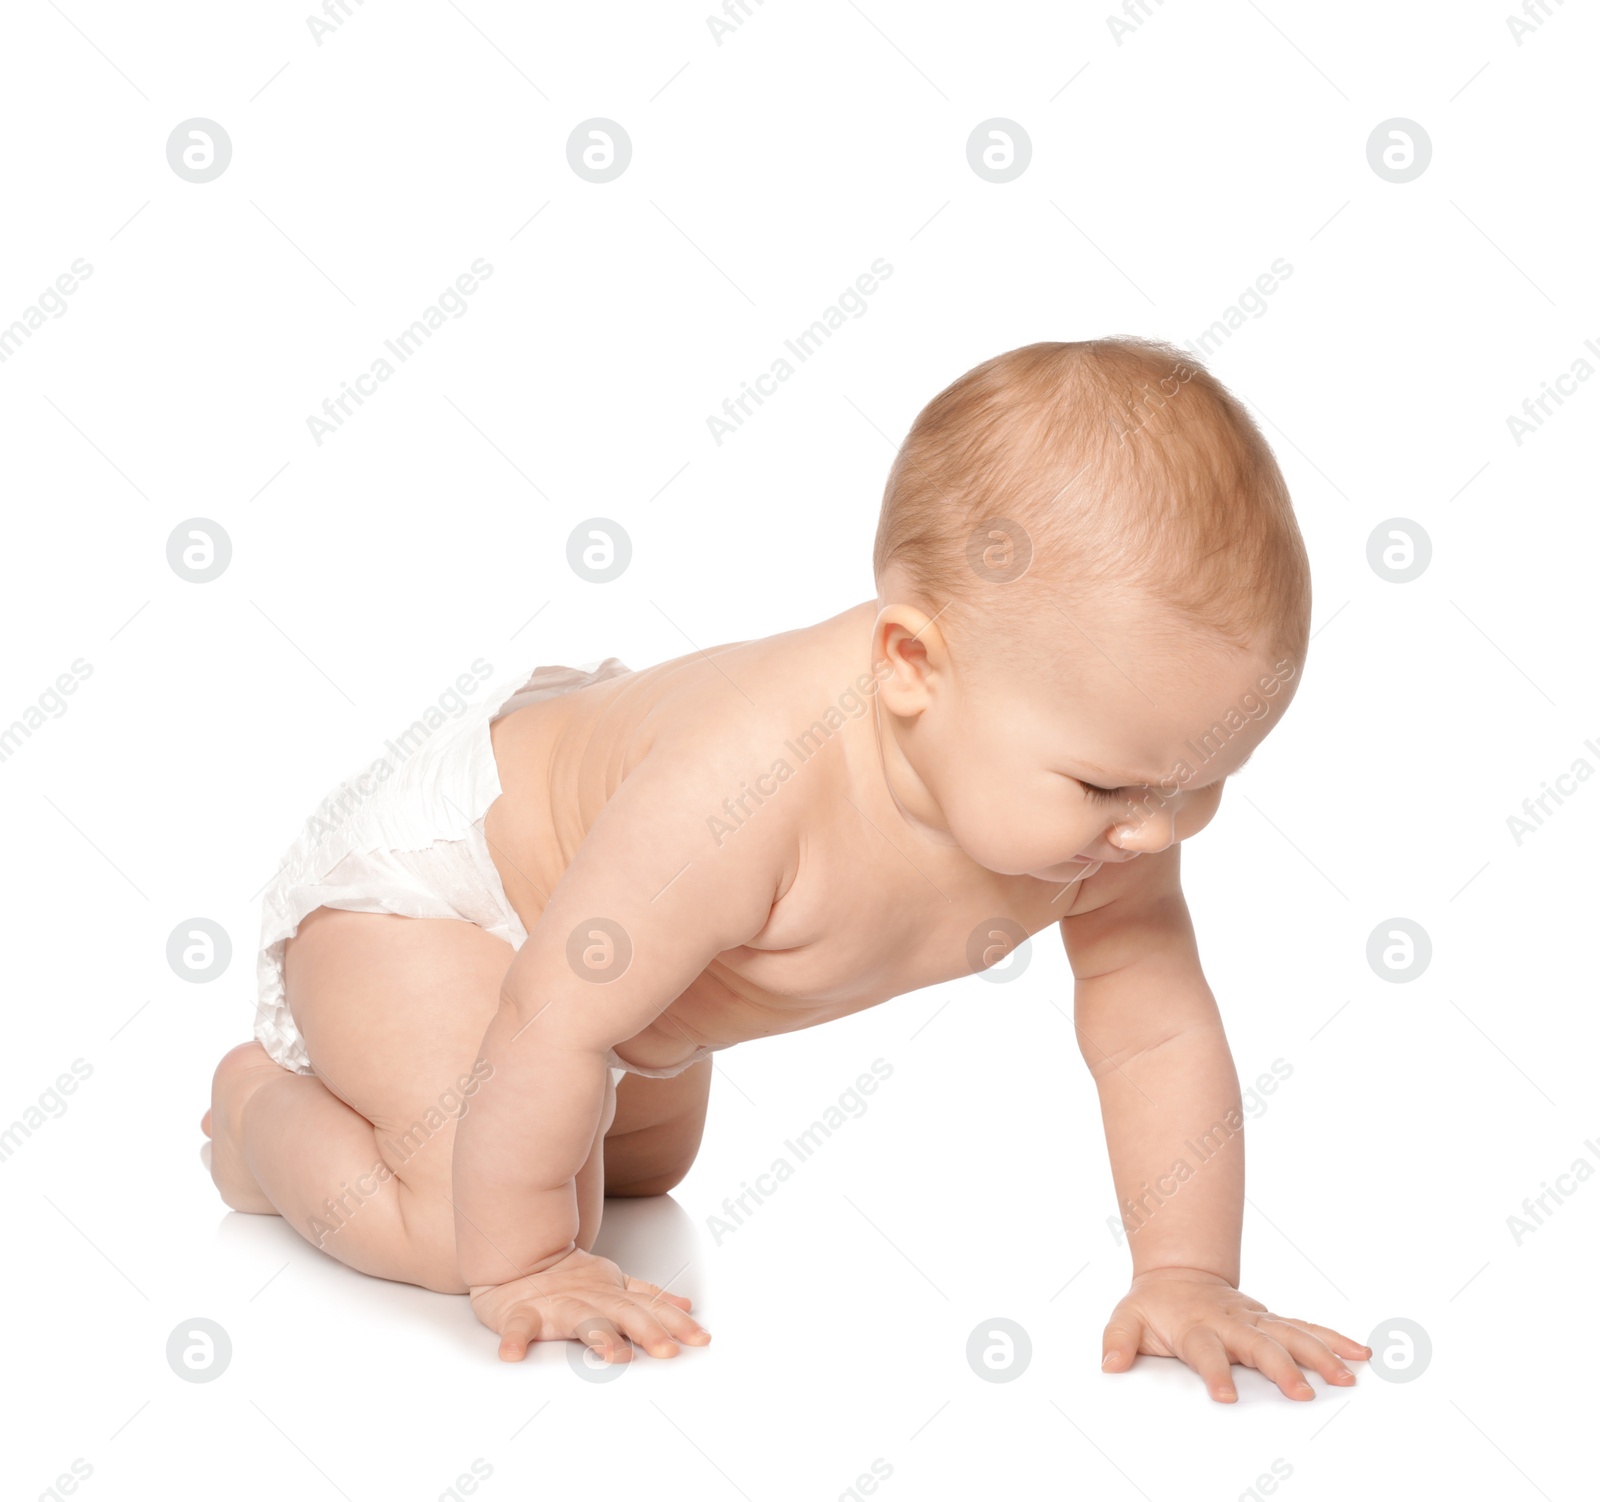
(647, 1164)
(661, 1183)
(241, 1074)
(241, 1070)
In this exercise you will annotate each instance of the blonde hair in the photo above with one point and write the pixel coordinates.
(1103, 465)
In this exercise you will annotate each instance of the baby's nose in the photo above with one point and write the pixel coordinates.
(1150, 836)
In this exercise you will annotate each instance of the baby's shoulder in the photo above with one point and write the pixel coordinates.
(702, 724)
(732, 738)
(721, 708)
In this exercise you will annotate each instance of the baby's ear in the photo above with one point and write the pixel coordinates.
(907, 650)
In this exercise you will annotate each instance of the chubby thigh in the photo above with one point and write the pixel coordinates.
(392, 1011)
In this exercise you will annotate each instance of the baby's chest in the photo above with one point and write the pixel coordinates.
(851, 934)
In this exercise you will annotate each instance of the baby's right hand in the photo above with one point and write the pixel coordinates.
(587, 1298)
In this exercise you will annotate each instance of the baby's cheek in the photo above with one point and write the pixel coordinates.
(1012, 827)
(1198, 810)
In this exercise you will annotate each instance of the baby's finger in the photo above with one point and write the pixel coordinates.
(1309, 1350)
(520, 1330)
(684, 1327)
(1204, 1350)
(635, 1318)
(1120, 1343)
(1271, 1360)
(652, 1290)
(1352, 1350)
(600, 1334)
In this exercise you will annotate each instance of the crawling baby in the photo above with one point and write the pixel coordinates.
(492, 985)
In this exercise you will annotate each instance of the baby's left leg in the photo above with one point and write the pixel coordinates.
(656, 1133)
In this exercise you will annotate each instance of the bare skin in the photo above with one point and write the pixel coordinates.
(773, 866)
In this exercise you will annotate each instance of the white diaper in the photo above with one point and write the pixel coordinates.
(405, 835)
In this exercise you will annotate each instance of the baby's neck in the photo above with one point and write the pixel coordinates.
(893, 780)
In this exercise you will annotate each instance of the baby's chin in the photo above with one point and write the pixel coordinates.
(1067, 871)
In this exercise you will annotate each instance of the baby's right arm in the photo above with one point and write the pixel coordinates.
(649, 882)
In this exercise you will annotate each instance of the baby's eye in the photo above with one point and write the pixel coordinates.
(1101, 795)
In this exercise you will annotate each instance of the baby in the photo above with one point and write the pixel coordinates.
(493, 975)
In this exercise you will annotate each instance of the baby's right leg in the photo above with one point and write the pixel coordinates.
(358, 1157)
(284, 1144)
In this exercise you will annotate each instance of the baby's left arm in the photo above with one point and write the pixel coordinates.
(1148, 1028)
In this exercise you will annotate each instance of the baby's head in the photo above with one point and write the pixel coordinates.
(1095, 601)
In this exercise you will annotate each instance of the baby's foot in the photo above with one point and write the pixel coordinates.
(242, 1072)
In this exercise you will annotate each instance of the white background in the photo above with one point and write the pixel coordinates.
(1168, 172)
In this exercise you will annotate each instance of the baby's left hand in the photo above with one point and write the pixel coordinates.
(1205, 1322)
